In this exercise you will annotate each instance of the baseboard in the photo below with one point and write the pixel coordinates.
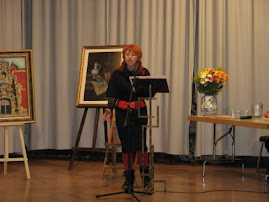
(162, 158)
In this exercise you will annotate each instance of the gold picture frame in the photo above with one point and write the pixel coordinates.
(16, 86)
(97, 65)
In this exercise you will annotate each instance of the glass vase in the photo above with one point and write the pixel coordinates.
(209, 105)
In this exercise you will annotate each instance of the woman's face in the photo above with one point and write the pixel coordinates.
(130, 58)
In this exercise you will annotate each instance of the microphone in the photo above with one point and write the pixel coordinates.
(137, 64)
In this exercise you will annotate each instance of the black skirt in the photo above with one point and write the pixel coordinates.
(131, 135)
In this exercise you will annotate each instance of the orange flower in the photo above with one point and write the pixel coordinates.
(210, 81)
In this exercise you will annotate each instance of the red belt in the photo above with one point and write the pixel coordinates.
(133, 105)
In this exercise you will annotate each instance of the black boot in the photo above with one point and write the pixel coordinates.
(146, 177)
(128, 187)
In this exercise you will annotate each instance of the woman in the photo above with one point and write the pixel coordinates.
(119, 93)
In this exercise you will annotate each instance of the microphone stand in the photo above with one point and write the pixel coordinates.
(129, 190)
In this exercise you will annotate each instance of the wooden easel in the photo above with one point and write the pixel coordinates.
(76, 148)
(6, 158)
(111, 146)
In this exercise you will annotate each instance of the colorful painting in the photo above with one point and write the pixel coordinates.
(16, 87)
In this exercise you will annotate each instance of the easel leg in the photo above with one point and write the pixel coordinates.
(114, 160)
(24, 153)
(74, 153)
(6, 156)
(106, 160)
(75, 148)
(105, 128)
(95, 128)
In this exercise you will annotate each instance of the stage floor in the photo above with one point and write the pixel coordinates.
(52, 181)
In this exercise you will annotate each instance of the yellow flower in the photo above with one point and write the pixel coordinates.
(210, 80)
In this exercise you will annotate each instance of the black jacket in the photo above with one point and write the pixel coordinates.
(120, 87)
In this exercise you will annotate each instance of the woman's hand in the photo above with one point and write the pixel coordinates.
(107, 115)
(266, 114)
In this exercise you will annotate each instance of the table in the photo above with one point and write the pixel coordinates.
(260, 123)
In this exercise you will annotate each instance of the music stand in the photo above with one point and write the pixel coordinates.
(154, 84)
(158, 84)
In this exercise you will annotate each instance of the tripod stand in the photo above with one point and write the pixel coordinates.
(129, 189)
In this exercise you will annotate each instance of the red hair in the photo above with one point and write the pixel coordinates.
(136, 49)
(133, 48)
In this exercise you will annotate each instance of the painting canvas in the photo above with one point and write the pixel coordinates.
(97, 65)
(16, 86)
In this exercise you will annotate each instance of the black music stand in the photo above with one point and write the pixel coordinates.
(154, 84)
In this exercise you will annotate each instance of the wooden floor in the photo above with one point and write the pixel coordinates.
(52, 181)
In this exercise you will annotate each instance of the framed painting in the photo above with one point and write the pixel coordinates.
(16, 87)
(97, 65)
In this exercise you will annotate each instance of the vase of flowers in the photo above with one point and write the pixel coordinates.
(209, 105)
(210, 81)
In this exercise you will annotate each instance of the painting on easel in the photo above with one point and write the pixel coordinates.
(97, 65)
(16, 86)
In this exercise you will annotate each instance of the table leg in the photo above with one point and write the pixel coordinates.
(233, 146)
(214, 141)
